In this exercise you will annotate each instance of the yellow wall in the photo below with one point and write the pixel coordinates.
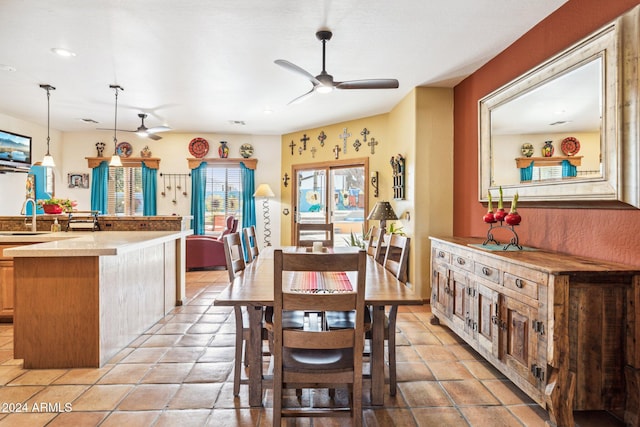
(420, 128)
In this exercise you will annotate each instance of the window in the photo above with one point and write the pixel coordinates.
(125, 191)
(223, 196)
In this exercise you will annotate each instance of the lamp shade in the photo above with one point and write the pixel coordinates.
(264, 190)
(382, 211)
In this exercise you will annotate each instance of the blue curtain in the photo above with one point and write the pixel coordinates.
(248, 201)
(100, 187)
(568, 169)
(149, 190)
(526, 174)
(198, 181)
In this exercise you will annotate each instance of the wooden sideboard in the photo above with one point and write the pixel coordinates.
(564, 329)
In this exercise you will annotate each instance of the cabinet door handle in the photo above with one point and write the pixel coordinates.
(519, 283)
(440, 254)
(461, 261)
(486, 271)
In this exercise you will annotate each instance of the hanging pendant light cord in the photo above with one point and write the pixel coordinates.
(115, 124)
(48, 88)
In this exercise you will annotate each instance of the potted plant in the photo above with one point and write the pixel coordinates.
(57, 206)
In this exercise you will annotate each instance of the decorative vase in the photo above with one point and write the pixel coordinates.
(547, 149)
(52, 209)
(223, 150)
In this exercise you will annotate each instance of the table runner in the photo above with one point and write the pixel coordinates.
(321, 282)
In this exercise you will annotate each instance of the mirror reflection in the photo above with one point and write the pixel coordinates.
(551, 132)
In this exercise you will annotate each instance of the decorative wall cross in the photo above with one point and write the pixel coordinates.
(304, 140)
(321, 138)
(364, 134)
(300, 150)
(372, 143)
(357, 145)
(292, 145)
(336, 151)
(313, 152)
(343, 136)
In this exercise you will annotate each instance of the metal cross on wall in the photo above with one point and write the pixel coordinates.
(313, 152)
(336, 151)
(304, 140)
(357, 145)
(372, 143)
(292, 145)
(364, 134)
(343, 136)
(300, 150)
(321, 138)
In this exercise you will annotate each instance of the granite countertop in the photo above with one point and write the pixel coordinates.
(86, 243)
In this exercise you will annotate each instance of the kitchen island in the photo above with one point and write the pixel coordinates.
(83, 297)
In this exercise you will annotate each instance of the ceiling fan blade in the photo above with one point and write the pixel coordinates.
(301, 97)
(294, 68)
(154, 137)
(368, 84)
(119, 130)
(158, 129)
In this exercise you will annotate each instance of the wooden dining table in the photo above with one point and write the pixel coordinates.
(254, 289)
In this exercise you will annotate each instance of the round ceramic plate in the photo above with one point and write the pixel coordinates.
(527, 149)
(570, 146)
(246, 150)
(124, 149)
(198, 147)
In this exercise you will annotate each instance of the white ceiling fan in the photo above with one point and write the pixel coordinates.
(324, 83)
(144, 131)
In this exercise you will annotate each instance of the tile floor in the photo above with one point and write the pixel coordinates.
(179, 373)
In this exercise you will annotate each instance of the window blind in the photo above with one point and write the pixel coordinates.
(223, 196)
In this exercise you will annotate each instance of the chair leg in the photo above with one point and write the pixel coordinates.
(238, 358)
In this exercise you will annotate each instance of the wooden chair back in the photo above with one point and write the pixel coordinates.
(306, 234)
(396, 259)
(233, 254)
(317, 357)
(374, 246)
(250, 242)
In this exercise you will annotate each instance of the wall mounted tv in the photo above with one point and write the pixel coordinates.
(15, 151)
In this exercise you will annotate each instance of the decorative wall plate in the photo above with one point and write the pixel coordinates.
(124, 149)
(570, 146)
(246, 150)
(527, 149)
(198, 147)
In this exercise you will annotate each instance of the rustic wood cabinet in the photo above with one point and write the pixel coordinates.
(6, 286)
(564, 329)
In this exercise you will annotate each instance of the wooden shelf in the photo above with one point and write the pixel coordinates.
(525, 162)
(150, 162)
(250, 163)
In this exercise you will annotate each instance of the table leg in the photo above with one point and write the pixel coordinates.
(377, 356)
(255, 355)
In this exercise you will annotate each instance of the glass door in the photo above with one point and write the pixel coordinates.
(332, 194)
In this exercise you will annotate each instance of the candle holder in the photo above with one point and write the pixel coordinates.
(514, 241)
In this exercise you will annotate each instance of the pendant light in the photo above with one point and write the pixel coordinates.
(115, 159)
(47, 160)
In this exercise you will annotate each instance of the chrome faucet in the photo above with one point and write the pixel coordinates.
(23, 211)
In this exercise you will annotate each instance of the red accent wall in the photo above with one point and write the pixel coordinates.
(608, 234)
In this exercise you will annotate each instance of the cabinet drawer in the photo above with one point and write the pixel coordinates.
(441, 255)
(462, 261)
(486, 272)
(524, 286)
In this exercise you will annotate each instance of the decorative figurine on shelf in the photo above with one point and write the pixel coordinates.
(100, 148)
(145, 152)
(547, 149)
(527, 149)
(223, 150)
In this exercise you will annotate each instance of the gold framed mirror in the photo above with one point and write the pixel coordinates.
(565, 134)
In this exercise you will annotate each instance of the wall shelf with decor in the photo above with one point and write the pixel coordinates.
(525, 162)
(195, 162)
(150, 162)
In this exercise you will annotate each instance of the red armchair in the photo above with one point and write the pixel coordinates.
(205, 251)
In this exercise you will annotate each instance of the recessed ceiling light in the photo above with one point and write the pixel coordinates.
(63, 52)
(5, 67)
(267, 110)
(237, 122)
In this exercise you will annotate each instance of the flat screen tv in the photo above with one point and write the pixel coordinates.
(15, 150)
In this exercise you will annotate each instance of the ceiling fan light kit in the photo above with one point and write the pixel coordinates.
(324, 83)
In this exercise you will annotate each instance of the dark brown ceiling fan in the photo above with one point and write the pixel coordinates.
(143, 131)
(324, 82)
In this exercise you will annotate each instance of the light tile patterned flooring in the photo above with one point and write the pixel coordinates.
(179, 373)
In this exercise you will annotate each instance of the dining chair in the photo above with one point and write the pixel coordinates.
(250, 242)
(306, 234)
(396, 260)
(235, 266)
(317, 356)
(374, 248)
